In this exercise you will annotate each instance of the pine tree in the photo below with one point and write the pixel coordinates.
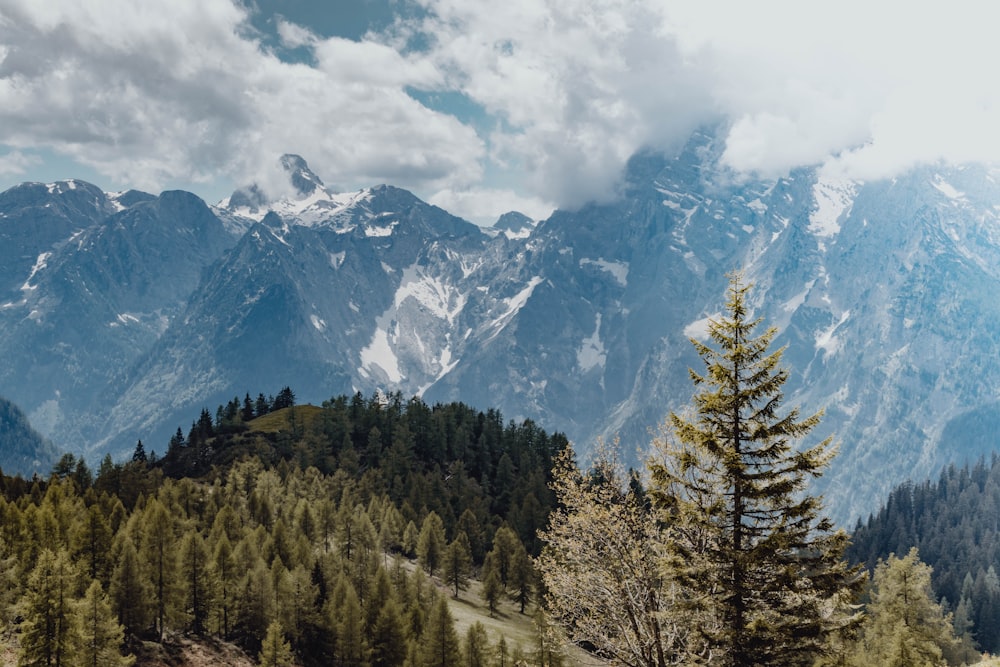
(431, 543)
(275, 651)
(769, 567)
(352, 646)
(101, 634)
(522, 578)
(457, 563)
(492, 590)
(389, 637)
(50, 632)
(193, 563)
(130, 591)
(906, 626)
(91, 543)
(439, 645)
(158, 543)
(226, 578)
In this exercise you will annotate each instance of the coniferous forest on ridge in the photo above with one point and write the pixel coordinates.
(273, 520)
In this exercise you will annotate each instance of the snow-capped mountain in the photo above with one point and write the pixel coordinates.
(123, 315)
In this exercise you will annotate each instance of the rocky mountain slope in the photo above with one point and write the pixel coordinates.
(123, 314)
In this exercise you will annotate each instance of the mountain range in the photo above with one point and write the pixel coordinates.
(123, 314)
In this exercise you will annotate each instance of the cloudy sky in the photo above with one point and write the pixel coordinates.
(484, 106)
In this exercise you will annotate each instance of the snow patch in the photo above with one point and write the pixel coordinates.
(592, 351)
(946, 188)
(522, 233)
(699, 328)
(40, 263)
(618, 270)
(125, 318)
(337, 259)
(380, 231)
(834, 198)
(317, 322)
(434, 295)
(796, 301)
(379, 354)
(826, 341)
(321, 208)
(513, 305)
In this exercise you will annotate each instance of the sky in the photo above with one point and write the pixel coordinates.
(483, 107)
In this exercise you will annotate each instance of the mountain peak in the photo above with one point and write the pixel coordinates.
(514, 224)
(303, 178)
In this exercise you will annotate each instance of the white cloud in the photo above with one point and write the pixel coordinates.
(153, 92)
(484, 206)
(16, 163)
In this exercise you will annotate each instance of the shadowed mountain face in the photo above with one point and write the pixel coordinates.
(122, 316)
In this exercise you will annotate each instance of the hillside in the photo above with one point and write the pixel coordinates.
(343, 528)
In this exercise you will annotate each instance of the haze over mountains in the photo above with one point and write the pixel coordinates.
(123, 314)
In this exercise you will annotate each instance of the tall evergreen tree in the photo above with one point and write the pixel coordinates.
(193, 562)
(275, 651)
(767, 565)
(431, 544)
(439, 645)
(101, 634)
(158, 544)
(130, 590)
(457, 563)
(906, 627)
(389, 637)
(50, 632)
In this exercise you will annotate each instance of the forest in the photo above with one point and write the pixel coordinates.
(954, 524)
(324, 534)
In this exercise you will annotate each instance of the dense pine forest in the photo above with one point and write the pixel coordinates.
(955, 525)
(329, 533)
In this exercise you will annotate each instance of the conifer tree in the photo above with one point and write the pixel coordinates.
(906, 627)
(477, 645)
(196, 586)
(91, 543)
(765, 563)
(50, 632)
(522, 578)
(226, 578)
(352, 646)
(275, 651)
(388, 641)
(158, 543)
(439, 645)
(130, 591)
(101, 635)
(492, 590)
(431, 543)
(457, 563)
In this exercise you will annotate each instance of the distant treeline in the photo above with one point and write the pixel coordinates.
(955, 523)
